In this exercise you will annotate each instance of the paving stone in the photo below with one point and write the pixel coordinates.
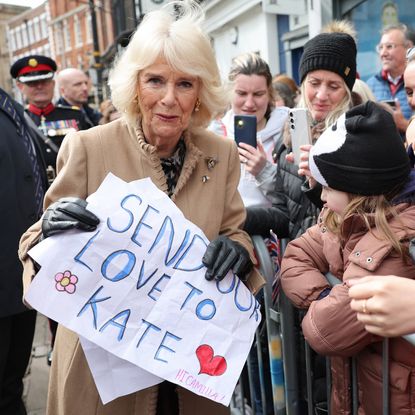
(37, 374)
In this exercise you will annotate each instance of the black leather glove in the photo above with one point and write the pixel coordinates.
(222, 255)
(68, 213)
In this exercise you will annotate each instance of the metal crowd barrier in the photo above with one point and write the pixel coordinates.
(271, 399)
(271, 381)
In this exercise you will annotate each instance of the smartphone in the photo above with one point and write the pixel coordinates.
(390, 102)
(245, 129)
(300, 130)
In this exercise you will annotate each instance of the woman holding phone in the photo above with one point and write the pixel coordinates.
(253, 95)
(327, 73)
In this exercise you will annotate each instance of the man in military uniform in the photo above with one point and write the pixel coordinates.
(22, 188)
(34, 77)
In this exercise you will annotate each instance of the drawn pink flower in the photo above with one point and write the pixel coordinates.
(65, 281)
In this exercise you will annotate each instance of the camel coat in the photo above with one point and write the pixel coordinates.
(206, 195)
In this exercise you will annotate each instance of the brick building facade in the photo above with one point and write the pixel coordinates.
(7, 12)
(62, 30)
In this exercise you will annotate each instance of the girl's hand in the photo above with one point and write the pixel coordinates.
(253, 158)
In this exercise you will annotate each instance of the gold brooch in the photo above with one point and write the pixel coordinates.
(211, 162)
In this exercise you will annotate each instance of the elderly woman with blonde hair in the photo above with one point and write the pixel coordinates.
(167, 87)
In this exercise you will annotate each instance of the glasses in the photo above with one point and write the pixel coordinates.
(410, 54)
(387, 46)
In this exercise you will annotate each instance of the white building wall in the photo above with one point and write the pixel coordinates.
(238, 26)
(248, 32)
(320, 12)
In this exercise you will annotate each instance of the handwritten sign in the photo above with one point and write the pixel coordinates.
(136, 288)
(113, 376)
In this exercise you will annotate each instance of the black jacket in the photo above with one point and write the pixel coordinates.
(92, 116)
(17, 208)
(56, 124)
(294, 207)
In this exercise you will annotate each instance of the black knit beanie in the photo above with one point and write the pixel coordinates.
(334, 52)
(362, 153)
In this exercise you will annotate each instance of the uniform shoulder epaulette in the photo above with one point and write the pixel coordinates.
(68, 107)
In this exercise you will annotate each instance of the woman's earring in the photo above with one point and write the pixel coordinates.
(197, 105)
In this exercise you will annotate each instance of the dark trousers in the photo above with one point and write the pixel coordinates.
(53, 326)
(167, 401)
(15, 347)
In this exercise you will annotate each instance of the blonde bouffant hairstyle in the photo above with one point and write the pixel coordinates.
(173, 33)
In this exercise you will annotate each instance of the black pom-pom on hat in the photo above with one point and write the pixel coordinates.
(335, 52)
(362, 153)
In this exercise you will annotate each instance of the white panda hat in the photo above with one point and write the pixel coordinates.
(362, 153)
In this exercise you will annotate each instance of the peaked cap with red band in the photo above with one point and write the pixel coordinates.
(33, 68)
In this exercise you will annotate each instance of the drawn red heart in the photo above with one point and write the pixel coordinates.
(209, 364)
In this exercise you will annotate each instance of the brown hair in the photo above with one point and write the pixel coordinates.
(287, 80)
(375, 212)
(252, 64)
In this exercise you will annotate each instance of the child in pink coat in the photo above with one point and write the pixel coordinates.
(364, 228)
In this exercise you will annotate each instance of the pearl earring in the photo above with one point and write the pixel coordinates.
(197, 105)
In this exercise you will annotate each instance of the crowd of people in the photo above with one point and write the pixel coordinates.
(347, 207)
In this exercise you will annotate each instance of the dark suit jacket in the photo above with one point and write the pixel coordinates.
(17, 209)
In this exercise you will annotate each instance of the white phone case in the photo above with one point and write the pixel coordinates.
(300, 130)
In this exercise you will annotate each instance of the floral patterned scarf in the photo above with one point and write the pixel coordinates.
(172, 166)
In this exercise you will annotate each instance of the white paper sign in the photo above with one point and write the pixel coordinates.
(136, 288)
(115, 377)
